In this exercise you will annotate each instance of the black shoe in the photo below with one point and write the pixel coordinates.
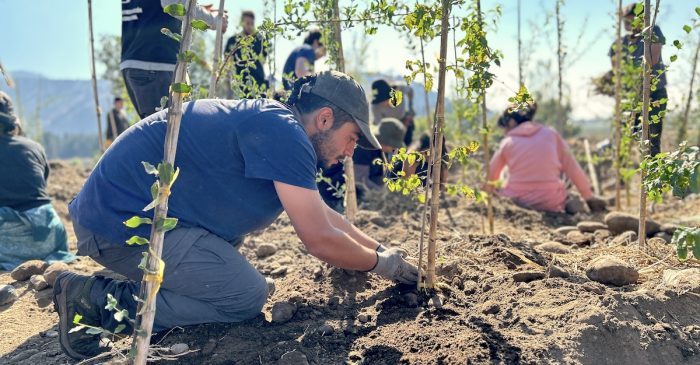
(71, 296)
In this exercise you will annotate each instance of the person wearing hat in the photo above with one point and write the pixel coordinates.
(383, 108)
(300, 61)
(370, 176)
(29, 226)
(633, 52)
(242, 162)
(536, 156)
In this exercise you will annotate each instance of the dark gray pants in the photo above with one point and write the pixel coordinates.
(146, 88)
(206, 279)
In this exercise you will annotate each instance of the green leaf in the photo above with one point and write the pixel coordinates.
(687, 28)
(175, 10)
(395, 98)
(677, 44)
(696, 249)
(94, 331)
(77, 318)
(76, 329)
(150, 169)
(181, 88)
(166, 224)
(171, 35)
(165, 172)
(154, 190)
(136, 240)
(120, 315)
(120, 328)
(199, 24)
(111, 303)
(136, 221)
(697, 11)
(674, 58)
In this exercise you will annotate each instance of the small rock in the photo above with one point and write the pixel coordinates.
(270, 286)
(265, 250)
(411, 299)
(578, 238)
(619, 222)
(363, 318)
(669, 228)
(574, 205)
(610, 270)
(38, 283)
(624, 239)
(686, 280)
(435, 302)
(491, 308)
(53, 270)
(554, 247)
(379, 221)
(280, 270)
(664, 236)
(293, 358)
(179, 348)
(527, 276)
(51, 334)
(282, 312)
(27, 269)
(557, 272)
(564, 230)
(590, 226)
(295, 297)
(318, 272)
(8, 294)
(326, 329)
(600, 235)
(657, 241)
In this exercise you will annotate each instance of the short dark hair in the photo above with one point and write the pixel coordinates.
(307, 103)
(116, 99)
(520, 115)
(248, 13)
(314, 35)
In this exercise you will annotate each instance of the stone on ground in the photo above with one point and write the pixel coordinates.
(601, 235)
(686, 280)
(553, 247)
(27, 269)
(53, 270)
(558, 272)
(612, 271)
(38, 283)
(578, 238)
(590, 226)
(282, 312)
(265, 250)
(8, 294)
(293, 358)
(624, 239)
(619, 222)
(565, 229)
(527, 276)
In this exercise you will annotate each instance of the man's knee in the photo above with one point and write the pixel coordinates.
(246, 303)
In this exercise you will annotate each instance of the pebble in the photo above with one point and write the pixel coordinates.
(686, 280)
(624, 239)
(527, 276)
(558, 272)
(602, 234)
(554, 247)
(619, 222)
(611, 270)
(179, 348)
(491, 308)
(53, 270)
(578, 238)
(282, 312)
(564, 230)
(265, 250)
(379, 221)
(411, 299)
(363, 318)
(38, 283)
(270, 286)
(435, 302)
(296, 297)
(8, 294)
(293, 358)
(280, 270)
(326, 329)
(318, 272)
(51, 334)
(590, 226)
(27, 269)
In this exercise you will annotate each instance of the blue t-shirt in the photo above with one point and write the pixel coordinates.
(229, 153)
(305, 51)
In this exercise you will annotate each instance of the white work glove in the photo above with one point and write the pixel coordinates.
(392, 265)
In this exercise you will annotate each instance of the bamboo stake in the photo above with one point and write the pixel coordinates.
(217, 50)
(428, 112)
(520, 48)
(348, 165)
(149, 287)
(485, 141)
(646, 91)
(560, 61)
(591, 168)
(684, 122)
(617, 71)
(429, 172)
(98, 110)
(436, 157)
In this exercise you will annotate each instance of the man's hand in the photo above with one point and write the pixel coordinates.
(392, 265)
(596, 204)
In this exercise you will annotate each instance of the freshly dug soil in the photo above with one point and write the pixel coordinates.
(501, 299)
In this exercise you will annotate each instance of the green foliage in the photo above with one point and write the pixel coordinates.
(177, 37)
(136, 240)
(136, 221)
(176, 10)
(687, 239)
(677, 171)
(522, 98)
(199, 24)
(181, 88)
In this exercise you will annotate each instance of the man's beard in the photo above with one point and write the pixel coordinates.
(321, 142)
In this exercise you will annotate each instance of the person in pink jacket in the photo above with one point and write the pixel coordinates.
(536, 157)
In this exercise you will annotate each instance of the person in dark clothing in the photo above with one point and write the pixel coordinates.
(248, 60)
(382, 106)
(633, 51)
(29, 226)
(117, 121)
(148, 56)
(301, 61)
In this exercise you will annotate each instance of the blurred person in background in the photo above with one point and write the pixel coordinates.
(301, 61)
(248, 61)
(117, 122)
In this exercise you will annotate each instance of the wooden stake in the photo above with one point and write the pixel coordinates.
(348, 166)
(591, 167)
(684, 122)
(617, 72)
(560, 67)
(217, 50)
(646, 92)
(485, 140)
(520, 48)
(436, 156)
(98, 110)
(147, 305)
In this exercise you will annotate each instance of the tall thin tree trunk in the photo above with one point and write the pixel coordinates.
(485, 141)
(617, 72)
(646, 92)
(436, 156)
(428, 112)
(430, 167)
(686, 112)
(217, 49)
(155, 266)
(520, 50)
(348, 165)
(98, 110)
(560, 61)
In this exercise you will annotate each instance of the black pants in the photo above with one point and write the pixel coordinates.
(146, 88)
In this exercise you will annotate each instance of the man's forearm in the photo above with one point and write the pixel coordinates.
(339, 222)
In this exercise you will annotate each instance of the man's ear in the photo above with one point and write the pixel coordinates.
(324, 119)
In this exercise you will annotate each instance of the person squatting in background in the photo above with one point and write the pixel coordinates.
(536, 156)
(29, 226)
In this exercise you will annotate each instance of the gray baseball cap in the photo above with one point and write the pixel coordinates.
(341, 90)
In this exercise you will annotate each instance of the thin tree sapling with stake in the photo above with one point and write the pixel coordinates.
(98, 110)
(217, 49)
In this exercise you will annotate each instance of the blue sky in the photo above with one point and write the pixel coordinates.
(51, 38)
